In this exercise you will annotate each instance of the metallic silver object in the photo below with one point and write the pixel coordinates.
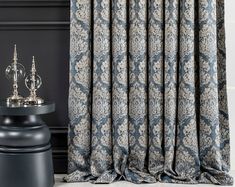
(15, 72)
(33, 82)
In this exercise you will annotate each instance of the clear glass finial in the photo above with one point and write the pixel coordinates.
(15, 72)
(33, 82)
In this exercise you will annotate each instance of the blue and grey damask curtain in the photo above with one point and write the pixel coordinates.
(147, 98)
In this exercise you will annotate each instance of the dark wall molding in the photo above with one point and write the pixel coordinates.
(34, 25)
(60, 159)
(34, 3)
(59, 129)
(59, 148)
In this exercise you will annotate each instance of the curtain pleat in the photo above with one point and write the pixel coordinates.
(137, 85)
(138, 116)
(170, 82)
(147, 96)
(80, 85)
(156, 86)
(120, 85)
(187, 164)
(101, 155)
(210, 140)
(222, 89)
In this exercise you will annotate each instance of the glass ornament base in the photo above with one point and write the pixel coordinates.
(15, 99)
(33, 101)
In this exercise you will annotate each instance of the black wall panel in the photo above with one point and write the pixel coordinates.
(40, 28)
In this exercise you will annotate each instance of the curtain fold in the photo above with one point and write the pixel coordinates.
(120, 86)
(147, 97)
(156, 86)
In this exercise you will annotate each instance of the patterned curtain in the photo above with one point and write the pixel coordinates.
(147, 98)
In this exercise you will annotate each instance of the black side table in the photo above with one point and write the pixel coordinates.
(25, 149)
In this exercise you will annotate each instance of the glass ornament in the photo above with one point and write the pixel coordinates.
(33, 82)
(15, 72)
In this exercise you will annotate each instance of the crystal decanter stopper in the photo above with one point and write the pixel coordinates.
(15, 72)
(33, 82)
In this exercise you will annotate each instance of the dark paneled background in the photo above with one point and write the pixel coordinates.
(40, 28)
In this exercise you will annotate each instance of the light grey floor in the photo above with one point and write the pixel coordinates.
(59, 183)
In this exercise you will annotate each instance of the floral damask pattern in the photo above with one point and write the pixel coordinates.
(119, 86)
(147, 97)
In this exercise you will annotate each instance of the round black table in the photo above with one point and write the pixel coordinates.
(25, 149)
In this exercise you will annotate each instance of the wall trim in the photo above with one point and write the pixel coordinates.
(59, 154)
(34, 3)
(34, 25)
(58, 130)
(60, 160)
